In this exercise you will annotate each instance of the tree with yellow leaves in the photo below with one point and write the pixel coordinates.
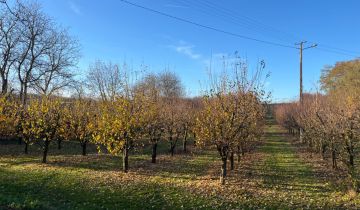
(7, 108)
(81, 122)
(119, 125)
(42, 122)
(153, 128)
(172, 112)
(331, 121)
(230, 108)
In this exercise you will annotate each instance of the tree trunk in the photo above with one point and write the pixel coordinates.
(172, 149)
(23, 95)
(172, 144)
(242, 149)
(238, 154)
(323, 150)
(184, 143)
(83, 145)
(59, 144)
(232, 161)
(45, 150)
(4, 86)
(125, 159)
(26, 148)
(351, 159)
(350, 151)
(333, 155)
(223, 170)
(194, 140)
(154, 153)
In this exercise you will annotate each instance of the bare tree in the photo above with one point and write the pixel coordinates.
(35, 31)
(106, 80)
(9, 39)
(56, 71)
(170, 85)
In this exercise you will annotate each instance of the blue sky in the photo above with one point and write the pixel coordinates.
(113, 31)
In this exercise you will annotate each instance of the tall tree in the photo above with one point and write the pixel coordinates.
(60, 59)
(35, 32)
(9, 41)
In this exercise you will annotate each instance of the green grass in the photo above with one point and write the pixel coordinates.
(64, 189)
(272, 177)
(72, 181)
(293, 180)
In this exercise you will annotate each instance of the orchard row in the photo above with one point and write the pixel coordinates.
(329, 121)
(228, 118)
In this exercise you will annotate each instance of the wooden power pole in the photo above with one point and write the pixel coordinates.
(301, 48)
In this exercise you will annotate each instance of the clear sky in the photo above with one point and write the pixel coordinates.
(114, 31)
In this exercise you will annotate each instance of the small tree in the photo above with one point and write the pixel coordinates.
(153, 128)
(222, 121)
(82, 122)
(119, 125)
(188, 111)
(173, 118)
(229, 107)
(42, 122)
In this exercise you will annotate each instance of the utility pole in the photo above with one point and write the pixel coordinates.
(302, 48)
(301, 99)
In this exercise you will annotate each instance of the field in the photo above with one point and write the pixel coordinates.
(202, 106)
(276, 175)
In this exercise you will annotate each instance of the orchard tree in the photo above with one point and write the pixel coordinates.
(82, 122)
(153, 128)
(331, 121)
(171, 92)
(42, 122)
(174, 123)
(222, 121)
(189, 110)
(119, 125)
(232, 103)
(7, 116)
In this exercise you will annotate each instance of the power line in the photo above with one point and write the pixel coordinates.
(207, 27)
(348, 52)
(258, 25)
(232, 17)
(333, 50)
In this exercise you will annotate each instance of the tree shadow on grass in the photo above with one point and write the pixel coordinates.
(185, 165)
(59, 190)
(178, 166)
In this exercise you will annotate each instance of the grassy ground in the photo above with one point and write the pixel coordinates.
(276, 175)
